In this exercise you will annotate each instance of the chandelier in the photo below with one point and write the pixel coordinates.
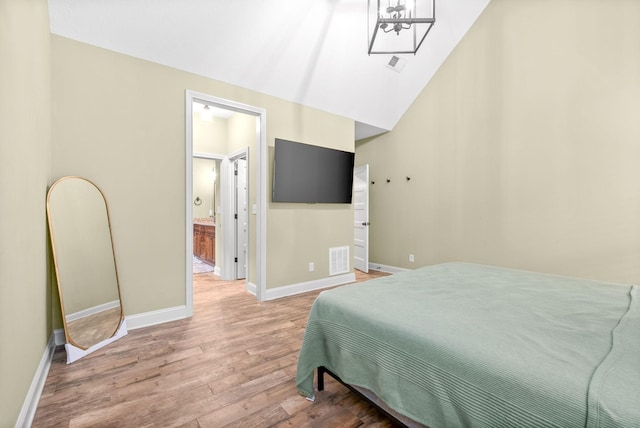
(398, 26)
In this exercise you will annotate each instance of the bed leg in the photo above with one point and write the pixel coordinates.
(321, 371)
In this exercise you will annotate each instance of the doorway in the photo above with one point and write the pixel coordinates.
(250, 230)
(220, 214)
(206, 203)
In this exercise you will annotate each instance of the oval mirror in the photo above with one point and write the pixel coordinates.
(85, 266)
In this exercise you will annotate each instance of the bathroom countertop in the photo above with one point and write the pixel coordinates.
(203, 222)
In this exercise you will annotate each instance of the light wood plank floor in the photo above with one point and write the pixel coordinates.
(94, 328)
(232, 364)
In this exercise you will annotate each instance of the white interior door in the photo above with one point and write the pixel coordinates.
(241, 217)
(361, 218)
(225, 225)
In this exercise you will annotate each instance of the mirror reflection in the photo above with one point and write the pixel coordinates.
(85, 265)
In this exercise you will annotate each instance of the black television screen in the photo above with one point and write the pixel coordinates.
(311, 174)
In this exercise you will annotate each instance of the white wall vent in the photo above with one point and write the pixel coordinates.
(338, 260)
(396, 63)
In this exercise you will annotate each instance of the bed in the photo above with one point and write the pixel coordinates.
(466, 345)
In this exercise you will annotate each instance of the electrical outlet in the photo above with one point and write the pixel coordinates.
(312, 267)
(411, 258)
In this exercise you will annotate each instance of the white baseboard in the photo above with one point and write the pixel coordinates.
(251, 288)
(160, 316)
(386, 268)
(303, 287)
(92, 311)
(58, 337)
(28, 411)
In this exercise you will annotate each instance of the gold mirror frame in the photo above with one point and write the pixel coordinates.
(85, 266)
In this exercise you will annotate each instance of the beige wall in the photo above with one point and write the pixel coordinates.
(318, 226)
(210, 137)
(204, 187)
(523, 149)
(119, 121)
(241, 133)
(25, 123)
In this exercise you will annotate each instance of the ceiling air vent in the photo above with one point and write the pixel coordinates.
(396, 63)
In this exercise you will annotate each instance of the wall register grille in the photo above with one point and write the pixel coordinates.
(338, 260)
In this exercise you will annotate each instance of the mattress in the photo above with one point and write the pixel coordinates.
(460, 344)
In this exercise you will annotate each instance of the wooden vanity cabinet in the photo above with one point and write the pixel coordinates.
(204, 242)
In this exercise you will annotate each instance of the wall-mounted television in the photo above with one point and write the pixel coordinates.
(311, 174)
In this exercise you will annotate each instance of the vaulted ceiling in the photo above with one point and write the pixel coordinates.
(308, 52)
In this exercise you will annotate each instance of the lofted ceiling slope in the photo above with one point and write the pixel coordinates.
(309, 52)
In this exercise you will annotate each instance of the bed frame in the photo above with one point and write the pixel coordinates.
(389, 413)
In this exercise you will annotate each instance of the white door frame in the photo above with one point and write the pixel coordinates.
(241, 213)
(260, 183)
(361, 218)
(228, 228)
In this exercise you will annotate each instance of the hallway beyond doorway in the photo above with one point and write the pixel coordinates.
(201, 267)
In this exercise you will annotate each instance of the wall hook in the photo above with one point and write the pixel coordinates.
(388, 180)
(408, 178)
(373, 182)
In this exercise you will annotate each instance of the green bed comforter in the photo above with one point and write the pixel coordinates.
(464, 345)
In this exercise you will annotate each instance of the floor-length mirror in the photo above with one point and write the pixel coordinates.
(85, 265)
